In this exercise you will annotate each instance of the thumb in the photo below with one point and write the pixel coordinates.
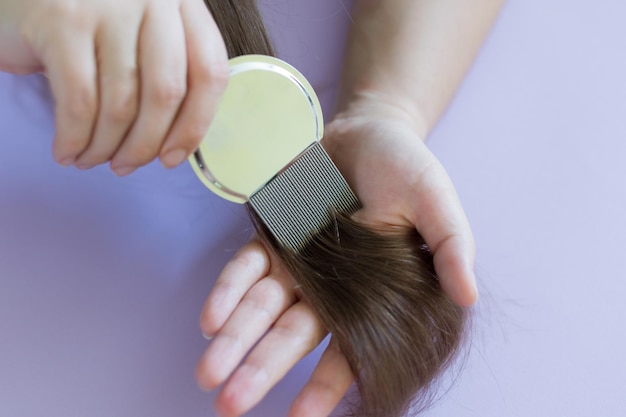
(440, 219)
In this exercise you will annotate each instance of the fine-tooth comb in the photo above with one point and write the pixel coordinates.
(263, 149)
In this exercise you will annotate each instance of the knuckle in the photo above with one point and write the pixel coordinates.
(249, 261)
(270, 294)
(123, 109)
(191, 135)
(302, 326)
(334, 348)
(123, 106)
(34, 26)
(81, 103)
(242, 260)
(213, 72)
(257, 308)
(73, 12)
(233, 340)
(61, 8)
(70, 12)
(141, 154)
(255, 368)
(169, 93)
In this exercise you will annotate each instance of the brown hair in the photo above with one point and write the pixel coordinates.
(375, 289)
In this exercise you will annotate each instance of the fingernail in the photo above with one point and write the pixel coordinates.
(84, 166)
(473, 287)
(123, 170)
(476, 293)
(174, 158)
(67, 161)
(206, 336)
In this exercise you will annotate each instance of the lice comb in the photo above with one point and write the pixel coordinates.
(263, 149)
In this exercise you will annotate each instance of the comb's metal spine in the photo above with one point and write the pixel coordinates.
(299, 202)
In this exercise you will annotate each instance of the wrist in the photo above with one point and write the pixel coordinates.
(368, 107)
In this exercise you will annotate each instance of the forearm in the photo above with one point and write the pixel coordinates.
(413, 54)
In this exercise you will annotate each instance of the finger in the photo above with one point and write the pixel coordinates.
(456, 269)
(249, 265)
(328, 384)
(294, 335)
(258, 310)
(163, 72)
(118, 79)
(444, 226)
(208, 76)
(69, 59)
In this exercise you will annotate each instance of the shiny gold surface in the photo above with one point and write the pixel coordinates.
(268, 115)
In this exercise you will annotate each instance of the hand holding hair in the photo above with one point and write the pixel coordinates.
(402, 184)
(255, 293)
(132, 80)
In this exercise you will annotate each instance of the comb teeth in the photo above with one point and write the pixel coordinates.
(299, 202)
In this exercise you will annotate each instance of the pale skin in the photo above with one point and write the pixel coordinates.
(405, 60)
(132, 80)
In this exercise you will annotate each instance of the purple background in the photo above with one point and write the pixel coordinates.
(102, 279)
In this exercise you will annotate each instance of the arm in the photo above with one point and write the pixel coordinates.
(405, 60)
(413, 54)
